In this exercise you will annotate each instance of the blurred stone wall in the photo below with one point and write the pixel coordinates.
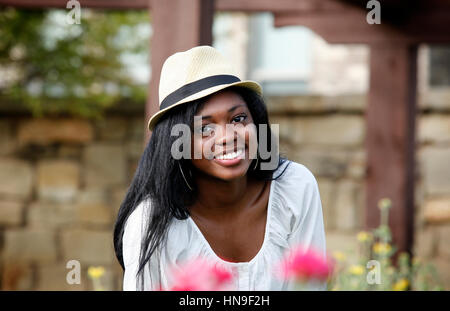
(62, 181)
(432, 217)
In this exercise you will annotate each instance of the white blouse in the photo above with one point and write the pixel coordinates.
(294, 217)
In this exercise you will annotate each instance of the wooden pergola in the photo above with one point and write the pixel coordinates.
(390, 140)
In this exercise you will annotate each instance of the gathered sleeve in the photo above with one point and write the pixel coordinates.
(308, 229)
(131, 247)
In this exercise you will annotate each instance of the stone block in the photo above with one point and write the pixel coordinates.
(322, 162)
(346, 209)
(111, 128)
(104, 165)
(295, 104)
(53, 278)
(118, 195)
(50, 215)
(434, 128)
(357, 164)
(47, 131)
(327, 193)
(347, 102)
(135, 148)
(425, 243)
(17, 276)
(437, 210)
(435, 165)
(444, 238)
(336, 130)
(92, 208)
(16, 178)
(29, 245)
(70, 151)
(137, 129)
(58, 180)
(277, 105)
(7, 142)
(435, 98)
(89, 247)
(11, 213)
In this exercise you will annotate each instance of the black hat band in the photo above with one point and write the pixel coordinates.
(195, 87)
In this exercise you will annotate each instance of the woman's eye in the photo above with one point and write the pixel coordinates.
(206, 130)
(239, 118)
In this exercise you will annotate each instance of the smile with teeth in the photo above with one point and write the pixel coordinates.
(229, 156)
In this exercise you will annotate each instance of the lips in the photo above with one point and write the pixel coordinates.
(230, 158)
(229, 155)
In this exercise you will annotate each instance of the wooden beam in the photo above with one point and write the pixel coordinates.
(99, 4)
(350, 26)
(337, 21)
(390, 140)
(251, 6)
(178, 25)
(220, 5)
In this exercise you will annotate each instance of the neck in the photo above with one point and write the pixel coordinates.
(215, 196)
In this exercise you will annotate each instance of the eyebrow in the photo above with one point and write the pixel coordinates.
(229, 110)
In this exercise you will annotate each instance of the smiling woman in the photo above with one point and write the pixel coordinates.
(222, 206)
(229, 146)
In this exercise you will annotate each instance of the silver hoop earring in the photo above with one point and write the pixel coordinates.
(184, 177)
(256, 164)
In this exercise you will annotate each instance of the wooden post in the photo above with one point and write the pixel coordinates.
(390, 138)
(178, 25)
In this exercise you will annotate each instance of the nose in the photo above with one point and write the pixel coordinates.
(226, 137)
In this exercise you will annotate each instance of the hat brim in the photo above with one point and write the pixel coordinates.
(247, 84)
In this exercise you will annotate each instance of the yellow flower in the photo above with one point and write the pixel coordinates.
(390, 270)
(339, 256)
(401, 284)
(384, 203)
(382, 248)
(96, 272)
(364, 236)
(356, 269)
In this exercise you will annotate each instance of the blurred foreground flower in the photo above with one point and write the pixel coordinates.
(401, 285)
(384, 204)
(339, 256)
(382, 248)
(356, 269)
(200, 275)
(364, 236)
(95, 274)
(305, 265)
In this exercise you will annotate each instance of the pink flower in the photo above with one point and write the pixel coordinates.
(305, 264)
(200, 275)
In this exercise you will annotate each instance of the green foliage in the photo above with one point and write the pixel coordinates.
(375, 248)
(53, 67)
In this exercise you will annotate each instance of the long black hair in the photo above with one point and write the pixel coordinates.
(158, 177)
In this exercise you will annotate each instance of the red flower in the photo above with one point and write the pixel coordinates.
(305, 264)
(200, 275)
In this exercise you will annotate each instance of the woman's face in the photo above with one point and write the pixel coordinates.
(226, 126)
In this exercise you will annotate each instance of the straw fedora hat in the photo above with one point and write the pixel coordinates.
(193, 74)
